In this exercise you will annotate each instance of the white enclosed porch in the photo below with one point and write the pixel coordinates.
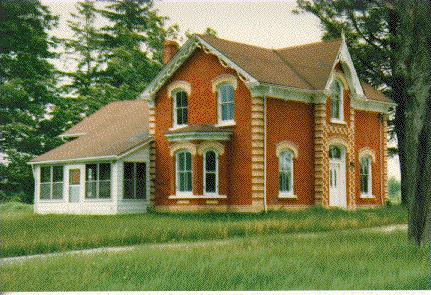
(93, 186)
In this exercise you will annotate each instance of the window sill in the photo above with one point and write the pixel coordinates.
(176, 127)
(190, 196)
(367, 196)
(225, 123)
(336, 121)
(97, 200)
(287, 196)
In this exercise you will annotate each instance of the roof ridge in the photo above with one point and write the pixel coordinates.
(236, 42)
(292, 68)
(309, 44)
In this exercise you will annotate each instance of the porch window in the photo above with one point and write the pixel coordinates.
(135, 178)
(286, 173)
(210, 172)
(184, 172)
(226, 103)
(337, 98)
(180, 108)
(98, 181)
(366, 179)
(51, 182)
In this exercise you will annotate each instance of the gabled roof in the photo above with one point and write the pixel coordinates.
(305, 67)
(109, 133)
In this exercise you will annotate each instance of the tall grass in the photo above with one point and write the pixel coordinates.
(24, 234)
(278, 262)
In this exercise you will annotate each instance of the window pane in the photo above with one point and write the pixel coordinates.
(104, 189)
(128, 189)
(181, 182)
(105, 171)
(128, 170)
(283, 186)
(90, 172)
(180, 161)
(45, 174)
(224, 112)
(45, 191)
(210, 161)
(210, 183)
(57, 190)
(90, 189)
(188, 181)
(141, 183)
(188, 161)
(57, 173)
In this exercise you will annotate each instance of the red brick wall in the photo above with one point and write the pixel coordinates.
(235, 164)
(293, 122)
(368, 131)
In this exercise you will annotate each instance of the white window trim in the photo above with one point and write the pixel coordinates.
(216, 193)
(368, 195)
(225, 80)
(340, 119)
(51, 182)
(177, 192)
(174, 104)
(286, 194)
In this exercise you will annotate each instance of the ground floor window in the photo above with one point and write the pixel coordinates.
(366, 181)
(51, 182)
(183, 172)
(210, 172)
(135, 180)
(98, 181)
(286, 172)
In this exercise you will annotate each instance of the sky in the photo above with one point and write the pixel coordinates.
(262, 23)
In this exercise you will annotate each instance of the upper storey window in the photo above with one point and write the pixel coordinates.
(337, 101)
(180, 93)
(226, 102)
(225, 86)
(180, 108)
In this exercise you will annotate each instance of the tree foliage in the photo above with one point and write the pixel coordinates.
(27, 90)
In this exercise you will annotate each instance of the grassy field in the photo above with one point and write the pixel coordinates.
(25, 233)
(354, 260)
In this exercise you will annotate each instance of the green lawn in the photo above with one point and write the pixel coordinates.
(25, 233)
(353, 260)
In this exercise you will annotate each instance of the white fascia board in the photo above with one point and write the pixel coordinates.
(369, 105)
(182, 55)
(104, 158)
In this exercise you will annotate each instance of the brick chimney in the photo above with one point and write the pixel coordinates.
(170, 48)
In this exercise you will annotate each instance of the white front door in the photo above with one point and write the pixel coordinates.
(337, 179)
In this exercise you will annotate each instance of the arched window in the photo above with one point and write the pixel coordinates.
(180, 108)
(366, 177)
(183, 172)
(286, 173)
(226, 103)
(337, 101)
(210, 172)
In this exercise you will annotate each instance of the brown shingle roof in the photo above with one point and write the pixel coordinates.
(305, 66)
(112, 131)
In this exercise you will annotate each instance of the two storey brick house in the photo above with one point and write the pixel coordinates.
(227, 126)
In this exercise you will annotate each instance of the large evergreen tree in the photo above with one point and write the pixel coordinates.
(27, 91)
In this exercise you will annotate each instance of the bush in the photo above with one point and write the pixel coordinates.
(394, 190)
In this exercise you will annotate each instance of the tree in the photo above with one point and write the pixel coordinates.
(133, 44)
(27, 90)
(414, 63)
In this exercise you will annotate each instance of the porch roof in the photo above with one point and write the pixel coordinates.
(113, 131)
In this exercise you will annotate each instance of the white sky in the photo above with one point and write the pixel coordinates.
(262, 23)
